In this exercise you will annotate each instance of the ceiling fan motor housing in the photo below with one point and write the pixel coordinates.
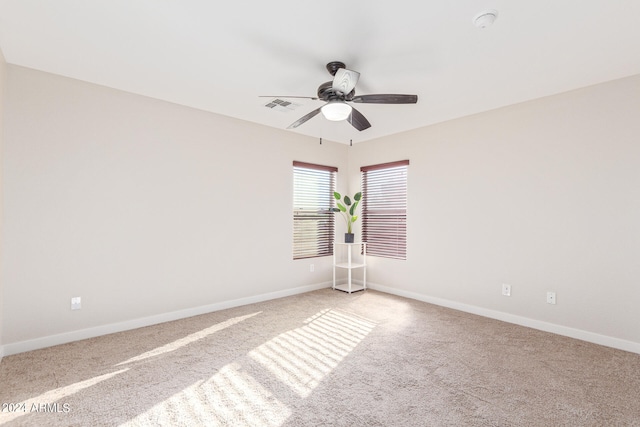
(334, 66)
(326, 92)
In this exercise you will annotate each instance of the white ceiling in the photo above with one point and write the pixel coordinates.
(220, 56)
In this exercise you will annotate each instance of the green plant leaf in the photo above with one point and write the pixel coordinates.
(358, 196)
(347, 200)
(354, 218)
(353, 209)
(337, 195)
(342, 207)
(335, 210)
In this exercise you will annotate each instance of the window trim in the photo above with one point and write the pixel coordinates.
(323, 240)
(314, 166)
(398, 216)
(384, 165)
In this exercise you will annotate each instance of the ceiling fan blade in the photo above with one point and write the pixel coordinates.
(386, 99)
(281, 96)
(304, 118)
(345, 80)
(358, 120)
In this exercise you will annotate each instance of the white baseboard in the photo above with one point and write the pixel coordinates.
(592, 337)
(49, 341)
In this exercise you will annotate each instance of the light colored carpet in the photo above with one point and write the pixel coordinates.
(325, 358)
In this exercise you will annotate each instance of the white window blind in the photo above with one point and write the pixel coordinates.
(384, 209)
(313, 220)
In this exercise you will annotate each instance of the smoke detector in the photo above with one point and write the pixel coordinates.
(485, 18)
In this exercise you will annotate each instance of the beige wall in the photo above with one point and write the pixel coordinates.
(3, 67)
(544, 196)
(144, 208)
(141, 207)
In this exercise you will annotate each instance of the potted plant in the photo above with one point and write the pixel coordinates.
(348, 209)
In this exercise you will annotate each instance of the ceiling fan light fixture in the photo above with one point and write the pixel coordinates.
(336, 111)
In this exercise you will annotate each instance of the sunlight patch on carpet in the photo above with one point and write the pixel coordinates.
(237, 394)
(230, 397)
(56, 395)
(177, 344)
(302, 357)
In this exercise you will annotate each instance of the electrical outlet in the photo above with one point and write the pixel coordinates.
(506, 290)
(312, 268)
(76, 303)
(551, 297)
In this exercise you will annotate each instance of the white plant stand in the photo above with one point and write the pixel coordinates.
(349, 265)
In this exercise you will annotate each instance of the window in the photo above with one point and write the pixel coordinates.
(384, 209)
(313, 220)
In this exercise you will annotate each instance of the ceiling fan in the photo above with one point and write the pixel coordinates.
(339, 92)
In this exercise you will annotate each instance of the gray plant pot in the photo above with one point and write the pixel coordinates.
(349, 237)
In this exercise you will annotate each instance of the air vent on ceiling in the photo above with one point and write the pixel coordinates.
(281, 105)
